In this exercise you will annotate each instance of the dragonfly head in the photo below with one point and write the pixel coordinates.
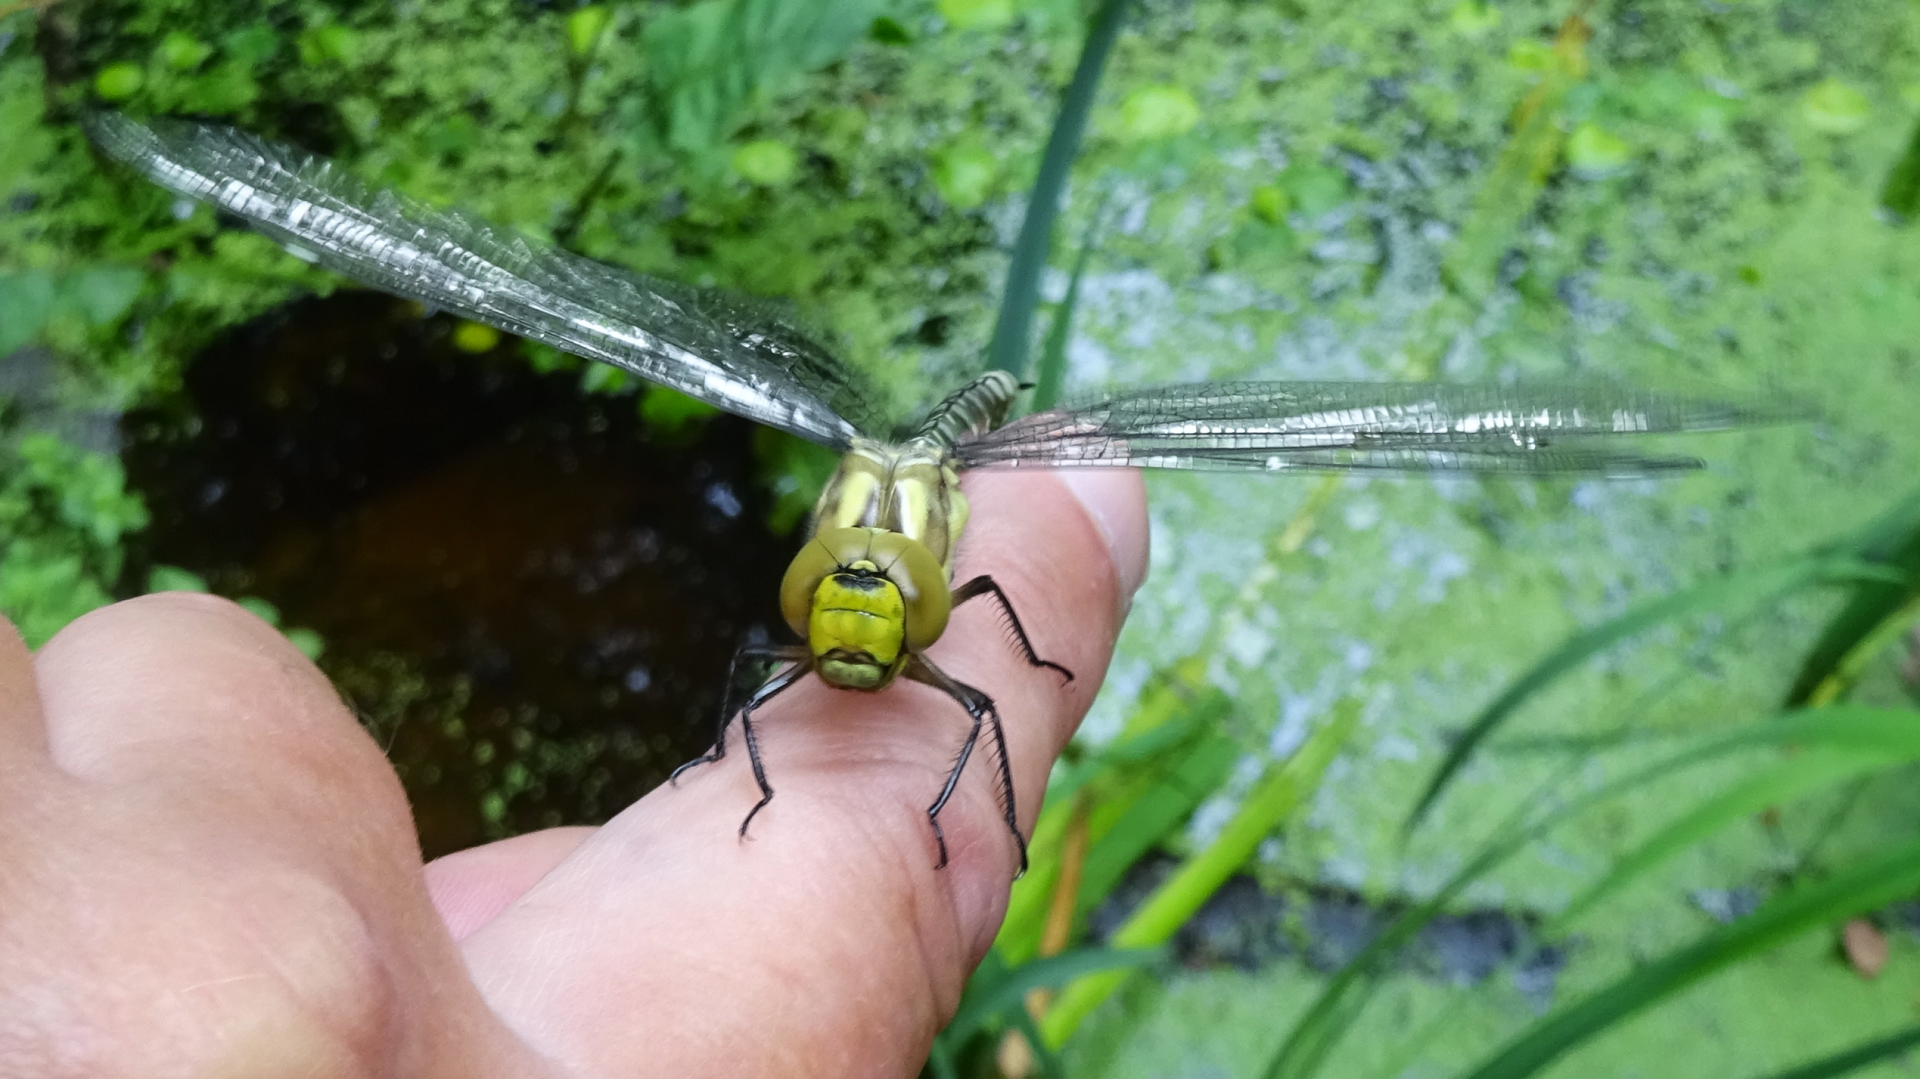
(866, 599)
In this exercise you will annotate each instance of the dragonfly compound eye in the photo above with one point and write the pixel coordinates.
(865, 599)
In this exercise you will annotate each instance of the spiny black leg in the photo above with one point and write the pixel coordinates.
(1006, 786)
(981, 708)
(764, 652)
(984, 585)
(773, 688)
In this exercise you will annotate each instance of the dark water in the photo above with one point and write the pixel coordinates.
(530, 597)
(1324, 928)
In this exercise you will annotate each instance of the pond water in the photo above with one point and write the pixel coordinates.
(529, 596)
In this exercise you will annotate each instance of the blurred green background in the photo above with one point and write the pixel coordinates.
(1642, 857)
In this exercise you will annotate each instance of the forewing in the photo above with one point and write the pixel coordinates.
(1362, 426)
(726, 351)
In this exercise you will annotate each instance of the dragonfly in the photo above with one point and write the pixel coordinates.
(872, 589)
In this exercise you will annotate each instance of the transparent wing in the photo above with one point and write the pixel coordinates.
(1361, 426)
(728, 352)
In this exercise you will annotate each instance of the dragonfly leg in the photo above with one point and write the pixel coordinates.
(772, 688)
(984, 585)
(980, 707)
(762, 652)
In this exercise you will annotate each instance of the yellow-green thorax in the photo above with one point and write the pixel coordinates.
(911, 488)
(872, 586)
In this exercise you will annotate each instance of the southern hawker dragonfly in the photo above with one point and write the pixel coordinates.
(872, 588)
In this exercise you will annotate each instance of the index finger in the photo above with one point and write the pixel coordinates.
(828, 944)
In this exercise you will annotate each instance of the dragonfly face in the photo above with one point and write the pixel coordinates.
(872, 588)
(879, 563)
(865, 600)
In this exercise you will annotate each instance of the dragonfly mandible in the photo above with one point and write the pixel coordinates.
(872, 588)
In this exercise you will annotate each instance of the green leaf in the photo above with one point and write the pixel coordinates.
(1270, 203)
(474, 338)
(225, 90)
(1531, 54)
(794, 470)
(766, 162)
(261, 609)
(605, 378)
(585, 27)
(546, 359)
(1009, 347)
(1157, 112)
(976, 14)
(888, 30)
(308, 641)
(1594, 152)
(1892, 875)
(964, 174)
(253, 45)
(672, 413)
(118, 82)
(1833, 107)
(329, 43)
(181, 51)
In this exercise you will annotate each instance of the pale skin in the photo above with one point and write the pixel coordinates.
(207, 868)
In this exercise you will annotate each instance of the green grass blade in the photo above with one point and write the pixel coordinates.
(1902, 191)
(1051, 375)
(1278, 794)
(1872, 613)
(1782, 782)
(1141, 788)
(1043, 1054)
(1520, 173)
(1854, 1059)
(1010, 992)
(1008, 350)
(1150, 815)
(1874, 882)
(1746, 589)
(940, 1061)
(1890, 732)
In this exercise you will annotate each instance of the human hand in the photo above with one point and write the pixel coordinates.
(207, 868)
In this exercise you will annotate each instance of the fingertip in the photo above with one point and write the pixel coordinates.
(167, 619)
(471, 887)
(1115, 500)
(144, 686)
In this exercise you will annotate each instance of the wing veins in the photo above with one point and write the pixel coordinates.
(721, 350)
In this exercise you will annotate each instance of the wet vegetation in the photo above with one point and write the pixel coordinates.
(1423, 778)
